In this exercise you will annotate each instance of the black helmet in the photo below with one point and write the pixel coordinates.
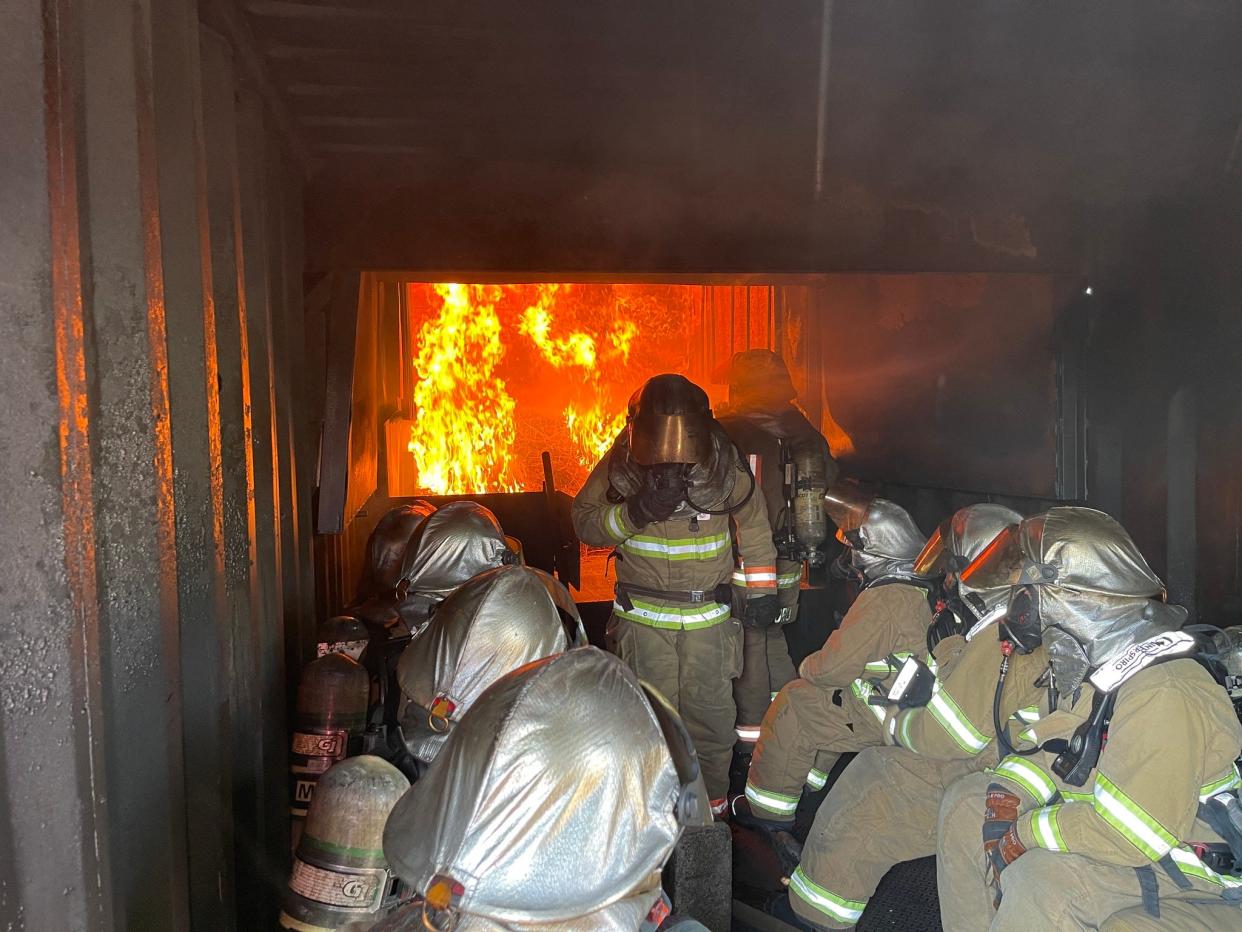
(670, 421)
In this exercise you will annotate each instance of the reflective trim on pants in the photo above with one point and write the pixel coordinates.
(837, 908)
(778, 803)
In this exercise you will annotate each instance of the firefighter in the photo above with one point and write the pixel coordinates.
(566, 762)
(674, 498)
(773, 433)
(381, 567)
(883, 810)
(490, 625)
(900, 613)
(450, 545)
(1094, 812)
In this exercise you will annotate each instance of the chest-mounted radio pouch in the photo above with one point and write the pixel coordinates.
(912, 688)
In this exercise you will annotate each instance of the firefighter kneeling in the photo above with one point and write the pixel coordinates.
(674, 497)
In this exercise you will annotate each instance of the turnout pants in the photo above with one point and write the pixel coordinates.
(1045, 890)
(804, 731)
(694, 669)
(766, 667)
(882, 811)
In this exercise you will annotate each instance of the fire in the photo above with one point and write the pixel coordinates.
(505, 372)
(455, 449)
(590, 428)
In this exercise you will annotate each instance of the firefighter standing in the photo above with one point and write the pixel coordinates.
(674, 497)
(1099, 817)
(775, 436)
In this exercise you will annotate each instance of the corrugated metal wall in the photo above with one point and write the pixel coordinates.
(155, 471)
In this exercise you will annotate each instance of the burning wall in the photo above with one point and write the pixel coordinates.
(505, 372)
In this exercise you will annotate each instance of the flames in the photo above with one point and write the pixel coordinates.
(592, 428)
(567, 347)
(455, 448)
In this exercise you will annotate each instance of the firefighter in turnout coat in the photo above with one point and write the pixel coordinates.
(674, 498)
(884, 808)
(770, 430)
(892, 617)
(1095, 812)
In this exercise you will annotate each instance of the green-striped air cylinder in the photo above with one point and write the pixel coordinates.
(340, 875)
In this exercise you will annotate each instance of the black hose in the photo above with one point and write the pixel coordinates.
(1002, 731)
(732, 508)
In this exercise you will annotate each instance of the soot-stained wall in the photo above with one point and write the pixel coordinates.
(155, 473)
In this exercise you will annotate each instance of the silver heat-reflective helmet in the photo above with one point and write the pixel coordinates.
(450, 545)
(957, 541)
(882, 538)
(554, 804)
(1080, 586)
(489, 626)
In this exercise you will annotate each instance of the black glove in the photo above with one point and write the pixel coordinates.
(653, 504)
(761, 612)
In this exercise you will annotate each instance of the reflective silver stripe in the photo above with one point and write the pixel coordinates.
(1047, 831)
(955, 722)
(824, 900)
(1189, 862)
(688, 548)
(1229, 781)
(1029, 715)
(773, 802)
(747, 732)
(1028, 776)
(613, 524)
(1123, 814)
(788, 580)
(646, 614)
(816, 779)
(862, 691)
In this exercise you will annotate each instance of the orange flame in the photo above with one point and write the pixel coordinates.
(590, 428)
(457, 451)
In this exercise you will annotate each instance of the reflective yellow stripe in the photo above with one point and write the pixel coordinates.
(954, 721)
(1190, 864)
(1046, 830)
(823, 900)
(816, 779)
(614, 524)
(686, 548)
(1029, 776)
(788, 580)
(672, 617)
(773, 802)
(862, 691)
(1131, 820)
(1229, 781)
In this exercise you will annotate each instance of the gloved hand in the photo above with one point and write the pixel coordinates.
(1000, 842)
(761, 612)
(653, 504)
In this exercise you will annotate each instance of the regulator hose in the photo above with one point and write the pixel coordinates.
(1002, 731)
(745, 467)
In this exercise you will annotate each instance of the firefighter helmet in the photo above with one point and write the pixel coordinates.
(670, 421)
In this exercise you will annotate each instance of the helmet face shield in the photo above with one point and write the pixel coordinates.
(669, 438)
(847, 505)
(998, 564)
(935, 557)
(670, 421)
